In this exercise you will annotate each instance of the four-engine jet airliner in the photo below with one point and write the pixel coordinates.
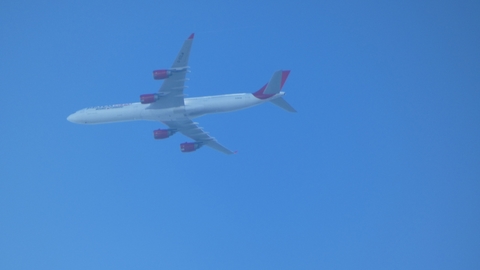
(170, 107)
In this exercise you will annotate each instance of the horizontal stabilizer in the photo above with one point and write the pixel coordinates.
(282, 103)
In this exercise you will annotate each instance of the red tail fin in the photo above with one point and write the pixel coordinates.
(274, 86)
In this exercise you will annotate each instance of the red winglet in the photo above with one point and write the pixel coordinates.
(191, 36)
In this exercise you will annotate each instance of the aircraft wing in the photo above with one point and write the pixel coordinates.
(191, 129)
(171, 90)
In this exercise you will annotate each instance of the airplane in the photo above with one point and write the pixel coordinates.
(170, 106)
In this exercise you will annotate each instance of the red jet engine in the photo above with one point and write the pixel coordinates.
(190, 147)
(149, 98)
(161, 74)
(163, 133)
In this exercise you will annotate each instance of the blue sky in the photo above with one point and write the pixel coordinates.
(379, 169)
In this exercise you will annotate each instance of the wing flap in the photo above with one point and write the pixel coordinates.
(215, 145)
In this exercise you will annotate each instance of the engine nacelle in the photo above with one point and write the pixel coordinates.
(163, 133)
(161, 74)
(149, 98)
(190, 147)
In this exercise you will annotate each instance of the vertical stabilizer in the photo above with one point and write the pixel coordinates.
(274, 86)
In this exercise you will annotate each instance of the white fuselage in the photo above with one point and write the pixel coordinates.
(194, 107)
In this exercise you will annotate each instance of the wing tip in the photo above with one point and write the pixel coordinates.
(191, 36)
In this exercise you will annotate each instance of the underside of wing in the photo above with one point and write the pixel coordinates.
(171, 91)
(191, 129)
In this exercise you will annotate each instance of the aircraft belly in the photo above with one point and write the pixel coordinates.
(195, 108)
(228, 103)
(166, 114)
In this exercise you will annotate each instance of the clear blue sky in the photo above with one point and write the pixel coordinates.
(379, 169)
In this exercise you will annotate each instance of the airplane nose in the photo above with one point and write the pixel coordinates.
(71, 118)
(77, 118)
